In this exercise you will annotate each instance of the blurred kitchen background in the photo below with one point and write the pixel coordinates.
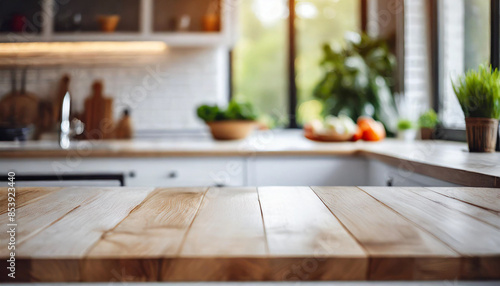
(162, 58)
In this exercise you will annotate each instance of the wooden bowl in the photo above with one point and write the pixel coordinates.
(231, 129)
(108, 22)
(328, 138)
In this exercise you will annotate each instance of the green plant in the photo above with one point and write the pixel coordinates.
(358, 80)
(479, 92)
(428, 119)
(234, 111)
(405, 124)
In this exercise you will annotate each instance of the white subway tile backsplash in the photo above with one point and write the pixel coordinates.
(162, 95)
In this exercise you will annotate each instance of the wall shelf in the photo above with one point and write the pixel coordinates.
(146, 29)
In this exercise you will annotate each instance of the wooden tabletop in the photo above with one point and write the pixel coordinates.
(254, 234)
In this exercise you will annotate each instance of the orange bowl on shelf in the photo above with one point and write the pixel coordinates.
(231, 129)
(108, 22)
(211, 23)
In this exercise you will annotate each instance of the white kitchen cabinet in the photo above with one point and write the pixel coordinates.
(222, 171)
(158, 172)
(138, 23)
(308, 171)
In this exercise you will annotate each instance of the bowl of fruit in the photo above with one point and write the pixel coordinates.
(343, 128)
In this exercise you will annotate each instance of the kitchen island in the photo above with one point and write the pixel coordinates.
(254, 234)
(155, 162)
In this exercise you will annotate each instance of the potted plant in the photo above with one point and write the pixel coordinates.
(406, 130)
(479, 95)
(235, 122)
(427, 123)
(358, 80)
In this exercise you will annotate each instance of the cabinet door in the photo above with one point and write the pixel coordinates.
(308, 171)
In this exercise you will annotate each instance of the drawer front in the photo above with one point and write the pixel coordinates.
(188, 172)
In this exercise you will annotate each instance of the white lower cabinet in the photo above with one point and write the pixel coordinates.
(158, 172)
(308, 171)
(214, 171)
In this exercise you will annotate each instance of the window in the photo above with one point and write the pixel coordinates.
(318, 22)
(260, 58)
(464, 29)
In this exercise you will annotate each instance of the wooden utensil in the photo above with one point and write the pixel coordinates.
(124, 128)
(28, 103)
(98, 114)
(6, 105)
(19, 108)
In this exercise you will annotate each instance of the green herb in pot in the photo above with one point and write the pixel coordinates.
(428, 119)
(234, 111)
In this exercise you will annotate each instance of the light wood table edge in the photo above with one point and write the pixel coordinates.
(452, 175)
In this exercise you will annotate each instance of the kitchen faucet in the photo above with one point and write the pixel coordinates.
(65, 131)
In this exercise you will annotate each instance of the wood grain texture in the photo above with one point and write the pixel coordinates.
(398, 249)
(155, 229)
(228, 224)
(39, 215)
(245, 234)
(482, 214)
(298, 225)
(466, 235)
(481, 197)
(24, 196)
(62, 245)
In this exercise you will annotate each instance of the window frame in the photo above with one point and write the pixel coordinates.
(291, 56)
(441, 133)
(448, 133)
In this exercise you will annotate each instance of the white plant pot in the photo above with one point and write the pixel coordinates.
(407, 135)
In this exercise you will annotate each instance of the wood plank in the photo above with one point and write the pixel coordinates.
(488, 198)
(301, 229)
(484, 215)
(24, 196)
(61, 246)
(227, 231)
(156, 228)
(398, 249)
(40, 214)
(468, 236)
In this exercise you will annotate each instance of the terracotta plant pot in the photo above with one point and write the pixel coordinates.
(211, 23)
(426, 133)
(231, 129)
(481, 134)
(108, 22)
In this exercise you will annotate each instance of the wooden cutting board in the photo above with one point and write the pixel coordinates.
(98, 117)
(19, 108)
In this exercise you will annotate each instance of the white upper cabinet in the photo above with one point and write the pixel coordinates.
(175, 22)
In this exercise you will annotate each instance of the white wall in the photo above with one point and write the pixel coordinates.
(163, 94)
